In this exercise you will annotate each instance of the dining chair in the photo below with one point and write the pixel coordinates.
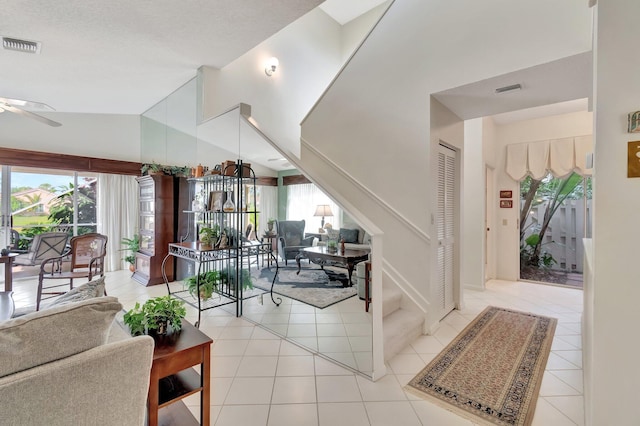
(87, 261)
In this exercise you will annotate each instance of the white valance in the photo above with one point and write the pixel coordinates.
(559, 157)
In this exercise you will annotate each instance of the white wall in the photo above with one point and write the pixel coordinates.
(374, 121)
(111, 136)
(507, 228)
(473, 209)
(309, 51)
(353, 31)
(613, 320)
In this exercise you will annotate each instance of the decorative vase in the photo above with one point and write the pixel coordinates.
(270, 227)
(229, 205)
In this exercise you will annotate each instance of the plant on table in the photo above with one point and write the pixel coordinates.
(158, 315)
(209, 234)
(229, 276)
(208, 284)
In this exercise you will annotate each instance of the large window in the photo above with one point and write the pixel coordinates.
(39, 200)
(302, 201)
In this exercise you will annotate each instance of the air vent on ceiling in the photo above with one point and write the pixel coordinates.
(21, 45)
(508, 88)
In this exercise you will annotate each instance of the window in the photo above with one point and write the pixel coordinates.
(302, 201)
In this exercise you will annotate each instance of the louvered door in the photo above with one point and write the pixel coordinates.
(445, 224)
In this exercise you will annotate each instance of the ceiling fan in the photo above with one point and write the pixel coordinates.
(16, 105)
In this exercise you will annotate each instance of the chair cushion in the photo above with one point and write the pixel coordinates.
(349, 235)
(45, 336)
(94, 288)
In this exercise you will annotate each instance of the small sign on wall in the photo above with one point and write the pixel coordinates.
(633, 159)
(506, 194)
(506, 204)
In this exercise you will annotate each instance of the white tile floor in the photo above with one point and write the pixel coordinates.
(260, 379)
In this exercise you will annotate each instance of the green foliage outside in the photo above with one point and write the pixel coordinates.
(553, 192)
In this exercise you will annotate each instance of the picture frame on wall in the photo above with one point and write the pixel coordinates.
(506, 194)
(506, 204)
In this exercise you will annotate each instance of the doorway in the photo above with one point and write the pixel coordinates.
(555, 216)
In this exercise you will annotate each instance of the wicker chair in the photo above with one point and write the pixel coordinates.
(87, 261)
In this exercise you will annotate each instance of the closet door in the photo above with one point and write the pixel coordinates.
(445, 226)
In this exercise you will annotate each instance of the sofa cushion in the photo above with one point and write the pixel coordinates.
(349, 235)
(55, 333)
(94, 288)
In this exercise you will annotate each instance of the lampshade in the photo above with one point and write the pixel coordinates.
(323, 210)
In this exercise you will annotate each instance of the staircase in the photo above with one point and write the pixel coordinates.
(400, 326)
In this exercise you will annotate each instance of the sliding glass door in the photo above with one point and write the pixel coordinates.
(41, 200)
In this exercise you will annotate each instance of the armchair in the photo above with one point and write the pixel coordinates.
(291, 238)
(43, 246)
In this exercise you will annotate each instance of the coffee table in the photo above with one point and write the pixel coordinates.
(321, 256)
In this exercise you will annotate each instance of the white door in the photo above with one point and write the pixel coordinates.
(445, 225)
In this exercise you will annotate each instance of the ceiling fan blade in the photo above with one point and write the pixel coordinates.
(40, 118)
(24, 103)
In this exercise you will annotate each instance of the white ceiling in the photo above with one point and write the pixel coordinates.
(545, 89)
(122, 56)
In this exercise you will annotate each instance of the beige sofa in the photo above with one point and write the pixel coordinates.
(67, 365)
(361, 242)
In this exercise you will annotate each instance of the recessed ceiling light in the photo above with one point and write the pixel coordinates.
(18, 45)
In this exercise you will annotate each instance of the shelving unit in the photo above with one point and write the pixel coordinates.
(229, 260)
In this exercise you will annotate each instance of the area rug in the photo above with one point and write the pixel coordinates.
(312, 286)
(491, 372)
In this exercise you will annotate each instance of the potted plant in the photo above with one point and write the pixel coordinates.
(229, 276)
(209, 234)
(332, 246)
(131, 245)
(151, 169)
(158, 316)
(208, 284)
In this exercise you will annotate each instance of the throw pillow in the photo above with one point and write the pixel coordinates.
(349, 235)
(94, 288)
(45, 336)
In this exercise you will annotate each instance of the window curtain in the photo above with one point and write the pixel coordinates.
(559, 157)
(117, 215)
(302, 201)
(268, 207)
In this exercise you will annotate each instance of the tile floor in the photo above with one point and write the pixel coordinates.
(260, 379)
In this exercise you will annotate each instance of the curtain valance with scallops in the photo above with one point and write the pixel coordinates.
(559, 157)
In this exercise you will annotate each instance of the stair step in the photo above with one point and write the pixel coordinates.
(400, 329)
(391, 299)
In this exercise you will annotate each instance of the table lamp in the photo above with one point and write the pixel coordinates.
(323, 210)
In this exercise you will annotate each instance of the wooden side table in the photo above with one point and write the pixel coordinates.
(173, 379)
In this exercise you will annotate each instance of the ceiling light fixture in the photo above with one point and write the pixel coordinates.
(508, 88)
(270, 66)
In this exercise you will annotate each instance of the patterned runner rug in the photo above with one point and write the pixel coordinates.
(312, 286)
(491, 372)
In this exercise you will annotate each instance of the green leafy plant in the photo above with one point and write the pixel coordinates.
(208, 284)
(131, 245)
(151, 168)
(159, 315)
(229, 276)
(532, 258)
(209, 235)
(332, 245)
